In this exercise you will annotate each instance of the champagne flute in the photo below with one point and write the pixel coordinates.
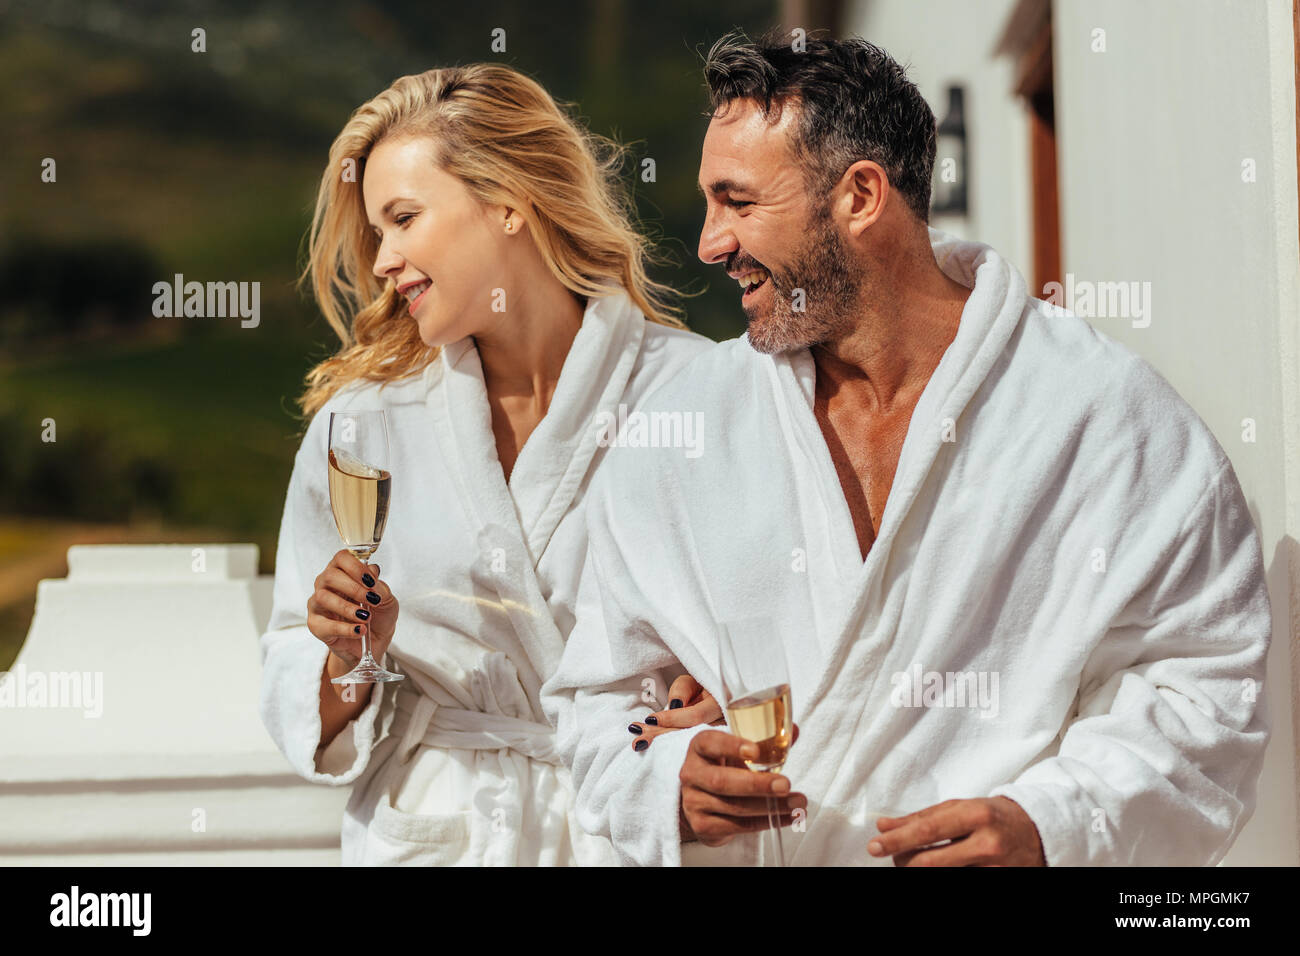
(360, 484)
(756, 688)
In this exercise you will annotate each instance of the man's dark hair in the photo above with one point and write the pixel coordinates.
(855, 100)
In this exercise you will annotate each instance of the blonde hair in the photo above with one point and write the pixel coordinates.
(509, 142)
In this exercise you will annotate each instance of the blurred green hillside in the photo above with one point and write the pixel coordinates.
(206, 164)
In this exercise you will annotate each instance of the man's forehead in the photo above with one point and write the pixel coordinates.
(742, 137)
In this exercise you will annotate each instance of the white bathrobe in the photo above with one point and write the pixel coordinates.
(457, 764)
(1066, 603)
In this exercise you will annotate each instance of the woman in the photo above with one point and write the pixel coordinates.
(473, 251)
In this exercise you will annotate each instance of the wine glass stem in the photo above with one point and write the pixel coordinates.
(774, 821)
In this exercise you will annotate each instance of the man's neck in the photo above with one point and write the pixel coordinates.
(906, 325)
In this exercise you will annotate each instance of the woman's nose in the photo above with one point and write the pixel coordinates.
(387, 262)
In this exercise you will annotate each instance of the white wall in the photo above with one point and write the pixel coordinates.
(951, 41)
(1151, 136)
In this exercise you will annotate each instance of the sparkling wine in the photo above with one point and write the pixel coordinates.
(766, 719)
(359, 500)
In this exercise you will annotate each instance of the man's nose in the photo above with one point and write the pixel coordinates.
(716, 243)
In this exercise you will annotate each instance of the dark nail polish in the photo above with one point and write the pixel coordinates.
(674, 704)
(634, 728)
(357, 629)
(367, 580)
(652, 720)
(372, 597)
(363, 614)
(641, 744)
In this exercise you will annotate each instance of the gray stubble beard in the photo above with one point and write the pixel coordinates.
(832, 292)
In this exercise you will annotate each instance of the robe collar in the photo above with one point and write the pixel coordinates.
(988, 321)
(513, 523)
(555, 458)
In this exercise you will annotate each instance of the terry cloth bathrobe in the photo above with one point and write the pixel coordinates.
(457, 763)
(1066, 603)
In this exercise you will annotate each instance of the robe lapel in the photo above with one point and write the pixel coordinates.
(593, 379)
(514, 523)
(987, 323)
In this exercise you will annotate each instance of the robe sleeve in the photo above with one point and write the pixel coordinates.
(293, 659)
(631, 798)
(1160, 764)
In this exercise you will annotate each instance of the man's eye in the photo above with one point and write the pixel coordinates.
(738, 203)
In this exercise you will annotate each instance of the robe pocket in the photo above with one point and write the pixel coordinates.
(397, 838)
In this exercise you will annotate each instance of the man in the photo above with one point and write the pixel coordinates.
(1017, 587)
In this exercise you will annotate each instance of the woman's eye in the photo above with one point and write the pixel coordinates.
(403, 219)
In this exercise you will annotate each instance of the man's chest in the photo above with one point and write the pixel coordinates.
(865, 451)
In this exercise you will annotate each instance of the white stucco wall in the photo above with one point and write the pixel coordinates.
(943, 42)
(1151, 135)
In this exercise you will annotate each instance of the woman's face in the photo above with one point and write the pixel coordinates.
(443, 249)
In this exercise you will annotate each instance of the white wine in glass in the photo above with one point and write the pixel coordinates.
(360, 486)
(765, 718)
(756, 689)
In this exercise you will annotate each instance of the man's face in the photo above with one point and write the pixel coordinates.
(799, 286)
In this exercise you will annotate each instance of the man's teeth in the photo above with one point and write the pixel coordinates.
(414, 291)
(752, 278)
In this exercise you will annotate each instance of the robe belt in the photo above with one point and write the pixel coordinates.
(434, 725)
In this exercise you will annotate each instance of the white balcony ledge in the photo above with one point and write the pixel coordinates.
(177, 768)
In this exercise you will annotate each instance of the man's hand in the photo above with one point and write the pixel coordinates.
(721, 797)
(984, 832)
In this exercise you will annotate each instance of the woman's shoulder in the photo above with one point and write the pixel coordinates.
(369, 394)
(366, 393)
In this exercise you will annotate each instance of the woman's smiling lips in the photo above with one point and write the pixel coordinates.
(420, 286)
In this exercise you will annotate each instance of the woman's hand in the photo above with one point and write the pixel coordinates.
(688, 704)
(350, 601)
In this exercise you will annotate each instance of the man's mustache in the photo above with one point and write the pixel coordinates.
(739, 263)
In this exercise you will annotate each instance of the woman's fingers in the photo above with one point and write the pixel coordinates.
(695, 705)
(642, 733)
(683, 691)
(328, 602)
(350, 598)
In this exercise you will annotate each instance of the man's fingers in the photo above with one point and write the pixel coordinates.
(732, 781)
(714, 830)
(718, 745)
(703, 802)
(963, 852)
(949, 820)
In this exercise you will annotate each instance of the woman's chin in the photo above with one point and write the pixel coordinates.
(437, 335)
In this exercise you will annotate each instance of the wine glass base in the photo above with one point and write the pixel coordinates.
(365, 673)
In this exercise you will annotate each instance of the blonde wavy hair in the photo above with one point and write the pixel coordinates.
(510, 143)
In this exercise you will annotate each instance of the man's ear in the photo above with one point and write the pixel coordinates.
(861, 195)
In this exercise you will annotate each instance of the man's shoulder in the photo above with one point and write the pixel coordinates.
(706, 376)
(666, 350)
(1112, 387)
